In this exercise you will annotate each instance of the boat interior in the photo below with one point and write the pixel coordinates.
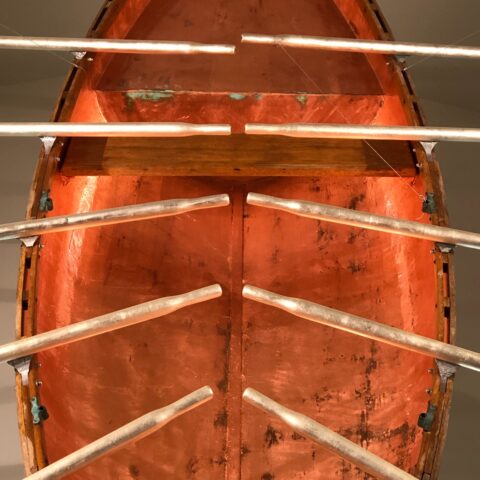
(369, 392)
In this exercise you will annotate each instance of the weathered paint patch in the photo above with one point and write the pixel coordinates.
(147, 96)
(302, 99)
(221, 419)
(258, 96)
(237, 96)
(272, 437)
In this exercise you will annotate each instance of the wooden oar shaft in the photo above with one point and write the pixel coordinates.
(363, 46)
(112, 46)
(365, 132)
(366, 328)
(129, 433)
(327, 438)
(118, 129)
(355, 218)
(106, 323)
(131, 213)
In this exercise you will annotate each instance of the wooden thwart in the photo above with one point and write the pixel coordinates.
(238, 155)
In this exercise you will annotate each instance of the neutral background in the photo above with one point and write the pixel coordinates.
(30, 82)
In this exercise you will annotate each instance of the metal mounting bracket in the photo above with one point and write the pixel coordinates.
(446, 370)
(47, 144)
(425, 420)
(429, 148)
(22, 366)
(429, 204)
(445, 247)
(45, 202)
(402, 57)
(29, 241)
(78, 55)
(39, 412)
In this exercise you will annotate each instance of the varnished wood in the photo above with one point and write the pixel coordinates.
(433, 442)
(238, 155)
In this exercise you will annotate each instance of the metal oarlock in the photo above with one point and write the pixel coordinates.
(119, 129)
(80, 45)
(106, 323)
(368, 462)
(446, 371)
(363, 46)
(32, 228)
(47, 143)
(366, 328)
(129, 433)
(370, 221)
(365, 132)
(22, 367)
(429, 148)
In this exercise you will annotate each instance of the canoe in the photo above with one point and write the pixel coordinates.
(369, 392)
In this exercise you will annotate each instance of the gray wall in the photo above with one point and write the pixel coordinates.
(29, 84)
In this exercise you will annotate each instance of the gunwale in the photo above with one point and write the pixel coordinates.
(433, 442)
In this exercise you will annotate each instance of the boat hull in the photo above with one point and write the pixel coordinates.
(368, 392)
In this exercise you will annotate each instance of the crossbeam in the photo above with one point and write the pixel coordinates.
(131, 213)
(363, 46)
(154, 47)
(366, 328)
(235, 155)
(129, 433)
(365, 132)
(106, 323)
(114, 129)
(370, 221)
(367, 461)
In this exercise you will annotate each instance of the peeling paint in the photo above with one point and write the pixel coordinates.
(221, 419)
(272, 437)
(147, 96)
(237, 96)
(302, 99)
